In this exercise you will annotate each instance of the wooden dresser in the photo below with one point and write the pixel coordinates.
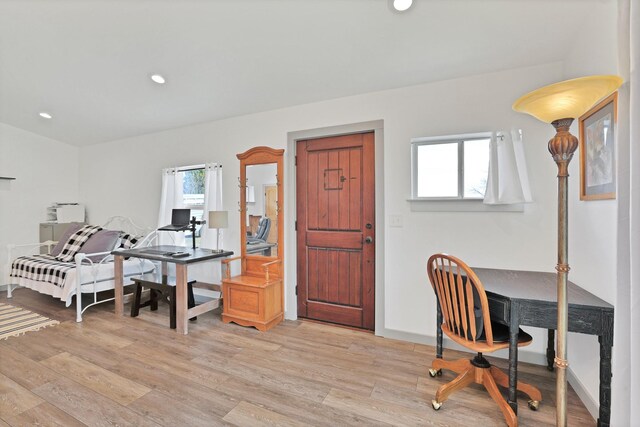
(253, 299)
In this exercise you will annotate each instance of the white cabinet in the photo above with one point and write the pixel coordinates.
(51, 231)
(63, 213)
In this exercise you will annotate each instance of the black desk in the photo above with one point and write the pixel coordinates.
(528, 298)
(157, 253)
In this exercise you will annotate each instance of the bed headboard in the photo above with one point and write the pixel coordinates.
(126, 225)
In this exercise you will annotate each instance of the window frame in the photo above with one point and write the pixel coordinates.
(192, 207)
(445, 139)
(189, 169)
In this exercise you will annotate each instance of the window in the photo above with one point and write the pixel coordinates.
(450, 167)
(193, 195)
(193, 190)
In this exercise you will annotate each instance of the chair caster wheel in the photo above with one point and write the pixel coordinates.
(533, 405)
(436, 405)
(435, 372)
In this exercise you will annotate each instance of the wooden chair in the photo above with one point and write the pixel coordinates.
(466, 321)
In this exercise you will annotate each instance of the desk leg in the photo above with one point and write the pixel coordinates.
(182, 323)
(606, 343)
(439, 333)
(551, 349)
(119, 284)
(514, 327)
(165, 272)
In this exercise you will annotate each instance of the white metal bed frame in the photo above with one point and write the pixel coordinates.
(119, 223)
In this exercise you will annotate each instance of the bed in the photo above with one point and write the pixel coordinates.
(86, 273)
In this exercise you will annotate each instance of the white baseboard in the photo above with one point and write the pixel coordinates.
(589, 402)
(523, 355)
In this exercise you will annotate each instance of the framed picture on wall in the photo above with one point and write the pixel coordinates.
(597, 150)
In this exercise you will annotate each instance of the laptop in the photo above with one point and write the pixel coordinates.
(179, 220)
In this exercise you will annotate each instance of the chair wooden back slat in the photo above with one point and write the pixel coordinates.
(447, 299)
(437, 287)
(462, 295)
(453, 296)
(472, 314)
(456, 296)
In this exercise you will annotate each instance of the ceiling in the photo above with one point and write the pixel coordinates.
(88, 62)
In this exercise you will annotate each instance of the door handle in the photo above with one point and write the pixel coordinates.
(368, 239)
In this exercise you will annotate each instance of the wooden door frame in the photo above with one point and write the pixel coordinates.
(264, 191)
(377, 127)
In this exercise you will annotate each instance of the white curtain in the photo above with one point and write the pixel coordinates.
(626, 345)
(508, 181)
(212, 202)
(634, 138)
(209, 272)
(170, 198)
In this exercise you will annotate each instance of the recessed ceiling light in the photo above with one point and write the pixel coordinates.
(402, 5)
(45, 115)
(158, 79)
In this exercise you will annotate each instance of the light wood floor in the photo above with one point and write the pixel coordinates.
(126, 371)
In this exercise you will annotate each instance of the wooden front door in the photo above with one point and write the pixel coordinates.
(336, 229)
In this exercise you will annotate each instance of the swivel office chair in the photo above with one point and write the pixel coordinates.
(262, 233)
(466, 321)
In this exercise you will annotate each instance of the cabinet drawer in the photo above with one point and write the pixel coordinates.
(46, 232)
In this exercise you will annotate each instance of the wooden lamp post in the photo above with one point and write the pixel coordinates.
(559, 104)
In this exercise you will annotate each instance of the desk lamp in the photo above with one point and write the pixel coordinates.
(218, 220)
(559, 104)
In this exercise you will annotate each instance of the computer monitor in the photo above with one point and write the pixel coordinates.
(179, 220)
(180, 216)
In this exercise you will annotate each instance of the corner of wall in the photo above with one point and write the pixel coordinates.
(583, 393)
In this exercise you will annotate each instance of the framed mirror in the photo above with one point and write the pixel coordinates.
(261, 198)
(261, 205)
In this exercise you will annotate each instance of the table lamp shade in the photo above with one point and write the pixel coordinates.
(218, 219)
(567, 99)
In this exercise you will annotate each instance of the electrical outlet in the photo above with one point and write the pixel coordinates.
(395, 220)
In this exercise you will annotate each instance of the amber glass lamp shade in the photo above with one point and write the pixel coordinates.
(569, 99)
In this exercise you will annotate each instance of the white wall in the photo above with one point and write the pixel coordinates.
(123, 177)
(46, 171)
(592, 224)
(626, 394)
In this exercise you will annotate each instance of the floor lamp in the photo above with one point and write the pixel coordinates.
(559, 104)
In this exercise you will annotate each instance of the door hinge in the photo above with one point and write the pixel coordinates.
(296, 290)
(296, 225)
(295, 162)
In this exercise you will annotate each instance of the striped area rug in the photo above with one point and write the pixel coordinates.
(16, 321)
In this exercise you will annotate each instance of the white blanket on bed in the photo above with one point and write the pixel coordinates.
(99, 274)
(41, 268)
